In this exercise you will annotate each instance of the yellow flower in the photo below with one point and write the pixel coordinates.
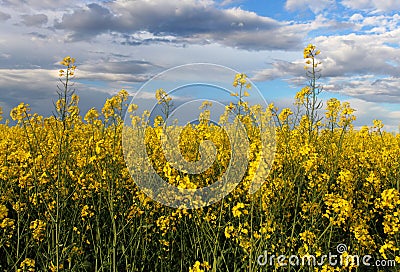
(132, 107)
(196, 267)
(91, 115)
(206, 265)
(86, 212)
(3, 212)
(200, 267)
(339, 209)
(123, 94)
(67, 61)
(309, 51)
(27, 265)
(240, 79)
(7, 222)
(390, 198)
(38, 228)
(20, 112)
(205, 105)
(162, 96)
(388, 246)
(302, 95)
(53, 268)
(228, 231)
(307, 237)
(236, 210)
(285, 114)
(100, 147)
(377, 124)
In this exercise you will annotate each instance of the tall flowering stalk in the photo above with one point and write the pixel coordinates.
(66, 108)
(64, 92)
(308, 96)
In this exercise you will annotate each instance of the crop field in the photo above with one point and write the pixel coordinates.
(68, 201)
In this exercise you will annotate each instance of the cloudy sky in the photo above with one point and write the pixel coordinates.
(122, 43)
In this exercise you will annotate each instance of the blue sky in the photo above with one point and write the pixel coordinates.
(122, 43)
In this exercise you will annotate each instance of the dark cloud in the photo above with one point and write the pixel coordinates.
(4, 16)
(134, 40)
(28, 86)
(38, 88)
(93, 20)
(142, 22)
(368, 89)
(34, 20)
(38, 35)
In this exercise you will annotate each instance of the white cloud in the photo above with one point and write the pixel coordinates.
(230, 2)
(366, 112)
(356, 17)
(360, 54)
(365, 66)
(281, 69)
(314, 6)
(373, 5)
(113, 77)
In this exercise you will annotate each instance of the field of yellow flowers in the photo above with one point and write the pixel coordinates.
(68, 202)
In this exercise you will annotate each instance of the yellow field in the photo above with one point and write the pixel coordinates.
(68, 202)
